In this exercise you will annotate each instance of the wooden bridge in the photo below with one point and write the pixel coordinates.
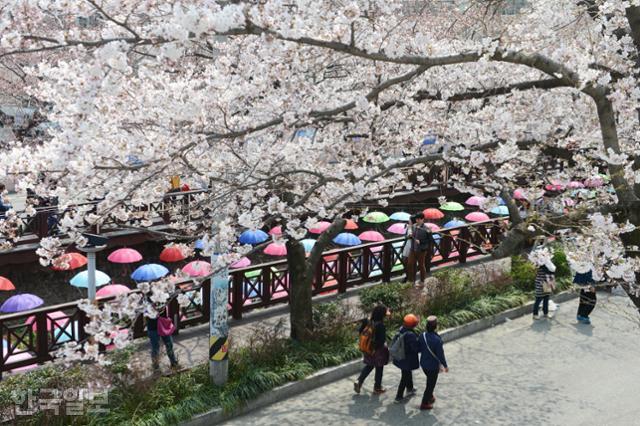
(31, 337)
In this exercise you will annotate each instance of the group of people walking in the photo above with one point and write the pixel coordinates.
(408, 351)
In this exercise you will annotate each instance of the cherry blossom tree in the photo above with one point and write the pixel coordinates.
(217, 92)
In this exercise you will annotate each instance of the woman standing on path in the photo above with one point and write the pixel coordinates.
(410, 360)
(587, 296)
(432, 360)
(376, 355)
(154, 338)
(545, 284)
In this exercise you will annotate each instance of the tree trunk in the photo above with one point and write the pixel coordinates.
(300, 293)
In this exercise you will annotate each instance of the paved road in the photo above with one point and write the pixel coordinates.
(548, 372)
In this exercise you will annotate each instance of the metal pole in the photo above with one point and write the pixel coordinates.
(218, 326)
(91, 258)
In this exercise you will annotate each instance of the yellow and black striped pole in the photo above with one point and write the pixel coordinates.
(218, 321)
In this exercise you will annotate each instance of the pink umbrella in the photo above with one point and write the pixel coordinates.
(575, 185)
(112, 290)
(197, 268)
(276, 249)
(320, 227)
(433, 226)
(125, 255)
(568, 202)
(519, 194)
(553, 187)
(476, 217)
(59, 318)
(242, 263)
(276, 230)
(475, 200)
(396, 228)
(371, 236)
(594, 182)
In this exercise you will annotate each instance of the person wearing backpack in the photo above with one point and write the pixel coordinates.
(404, 353)
(432, 360)
(373, 336)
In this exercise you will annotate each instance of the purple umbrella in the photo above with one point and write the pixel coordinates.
(21, 302)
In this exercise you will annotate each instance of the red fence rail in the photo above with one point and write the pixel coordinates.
(30, 338)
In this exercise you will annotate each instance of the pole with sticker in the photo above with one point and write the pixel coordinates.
(218, 325)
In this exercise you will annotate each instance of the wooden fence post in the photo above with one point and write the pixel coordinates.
(42, 342)
(205, 289)
(387, 264)
(237, 295)
(343, 265)
(463, 244)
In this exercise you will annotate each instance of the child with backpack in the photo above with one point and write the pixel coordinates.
(404, 353)
(373, 345)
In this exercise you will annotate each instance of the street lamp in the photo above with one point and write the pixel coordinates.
(95, 244)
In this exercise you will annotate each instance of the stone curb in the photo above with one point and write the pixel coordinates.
(330, 375)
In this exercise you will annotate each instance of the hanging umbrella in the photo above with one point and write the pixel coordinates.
(476, 200)
(397, 228)
(400, 216)
(477, 217)
(82, 279)
(501, 202)
(347, 239)
(452, 206)
(432, 214)
(113, 290)
(554, 188)
(276, 249)
(199, 244)
(242, 263)
(172, 254)
(59, 318)
(376, 217)
(500, 210)
(568, 202)
(520, 194)
(149, 272)
(125, 255)
(308, 244)
(320, 227)
(6, 285)
(432, 226)
(575, 185)
(454, 223)
(594, 182)
(21, 302)
(371, 236)
(197, 268)
(276, 230)
(253, 237)
(351, 225)
(70, 261)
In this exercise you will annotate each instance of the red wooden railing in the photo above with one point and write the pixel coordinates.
(31, 337)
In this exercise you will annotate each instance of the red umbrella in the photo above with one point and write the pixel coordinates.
(171, 254)
(350, 225)
(6, 285)
(432, 214)
(69, 261)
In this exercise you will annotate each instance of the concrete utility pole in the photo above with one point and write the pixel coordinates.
(95, 244)
(218, 320)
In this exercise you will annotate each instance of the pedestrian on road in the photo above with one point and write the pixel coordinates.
(432, 360)
(419, 246)
(373, 344)
(545, 284)
(587, 296)
(154, 338)
(409, 359)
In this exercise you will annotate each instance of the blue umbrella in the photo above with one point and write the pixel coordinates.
(199, 244)
(400, 216)
(453, 223)
(347, 239)
(149, 272)
(253, 237)
(501, 201)
(82, 279)
(500, 210)
(308, 244)
(436, 237)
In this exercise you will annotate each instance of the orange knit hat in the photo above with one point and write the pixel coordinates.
(410, 321)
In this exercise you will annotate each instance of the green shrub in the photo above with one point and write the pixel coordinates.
(562, 265)
(523, 273)
(392, 295)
